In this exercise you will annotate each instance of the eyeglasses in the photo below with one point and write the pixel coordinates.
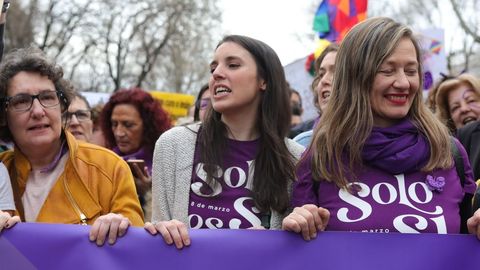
(81, 115)
(23, 102)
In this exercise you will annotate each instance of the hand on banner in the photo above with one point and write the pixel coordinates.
(307, 220)
(172, 231)
(7, 221)
(113, 225)
(473, 224)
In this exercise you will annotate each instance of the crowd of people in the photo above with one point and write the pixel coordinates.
(378, 158)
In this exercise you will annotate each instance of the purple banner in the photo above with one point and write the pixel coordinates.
(47, 246)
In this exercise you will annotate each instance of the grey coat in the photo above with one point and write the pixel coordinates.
(172, 174)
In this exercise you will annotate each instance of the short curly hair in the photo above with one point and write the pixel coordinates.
(155, 119)
(31, 59)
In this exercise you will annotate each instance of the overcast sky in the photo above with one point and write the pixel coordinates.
(285, 25)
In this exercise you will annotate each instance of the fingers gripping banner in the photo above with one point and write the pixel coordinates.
(46, 246)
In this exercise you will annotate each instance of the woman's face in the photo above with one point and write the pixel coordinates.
(127, 127)
(325, 74)
(37, 126)
(234, 85)
(395, 85)
(80, 123)
(463, 105)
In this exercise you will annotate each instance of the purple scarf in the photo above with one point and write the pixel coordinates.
(140, 154)
(397, 149)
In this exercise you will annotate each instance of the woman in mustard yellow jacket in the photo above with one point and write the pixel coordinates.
(55, 178)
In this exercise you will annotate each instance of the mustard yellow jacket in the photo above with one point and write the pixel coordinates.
(94, 182)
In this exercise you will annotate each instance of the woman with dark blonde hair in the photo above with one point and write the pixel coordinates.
(380, 160)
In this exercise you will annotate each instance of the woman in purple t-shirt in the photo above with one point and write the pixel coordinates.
(380, 161)
(234, 170)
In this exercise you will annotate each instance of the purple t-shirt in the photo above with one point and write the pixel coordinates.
(227, 202)
(385, 202)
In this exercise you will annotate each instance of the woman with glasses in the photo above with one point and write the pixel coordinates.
(55, 178)
(201, 104)
(79, 118)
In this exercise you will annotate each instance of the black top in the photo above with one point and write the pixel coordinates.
(469, 136)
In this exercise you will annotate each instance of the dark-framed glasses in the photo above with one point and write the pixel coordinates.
(81, 115)
(23, 102)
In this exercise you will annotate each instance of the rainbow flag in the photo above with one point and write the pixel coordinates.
(334, 18)
(435, 46)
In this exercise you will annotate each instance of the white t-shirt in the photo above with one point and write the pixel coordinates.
(6, 193)
(38, 187)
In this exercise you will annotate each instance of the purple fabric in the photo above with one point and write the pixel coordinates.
(227, 202)
(140, 154)
(385, 202)
(397, 149)
(51, 166)
(47, 246)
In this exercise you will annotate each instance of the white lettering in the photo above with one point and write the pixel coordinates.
(441, 225)
(404, 198)
(246, 213)
(191, 220)
(404, 228)
(251, 171)
(413, 194)
(215, 186)
(391, 191)
(385, 193)
(227, 177)
(213, 223)
(234, 223)
(356, 202)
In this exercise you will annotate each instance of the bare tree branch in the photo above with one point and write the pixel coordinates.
(463, 24)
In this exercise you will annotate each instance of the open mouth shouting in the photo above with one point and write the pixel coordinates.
(222, 91)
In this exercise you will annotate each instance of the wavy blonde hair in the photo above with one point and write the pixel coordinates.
(348, 120)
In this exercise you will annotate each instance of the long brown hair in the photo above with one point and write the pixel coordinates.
(274, 165)
(348, 120)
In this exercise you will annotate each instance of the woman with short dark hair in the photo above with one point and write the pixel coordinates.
(55, 178)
